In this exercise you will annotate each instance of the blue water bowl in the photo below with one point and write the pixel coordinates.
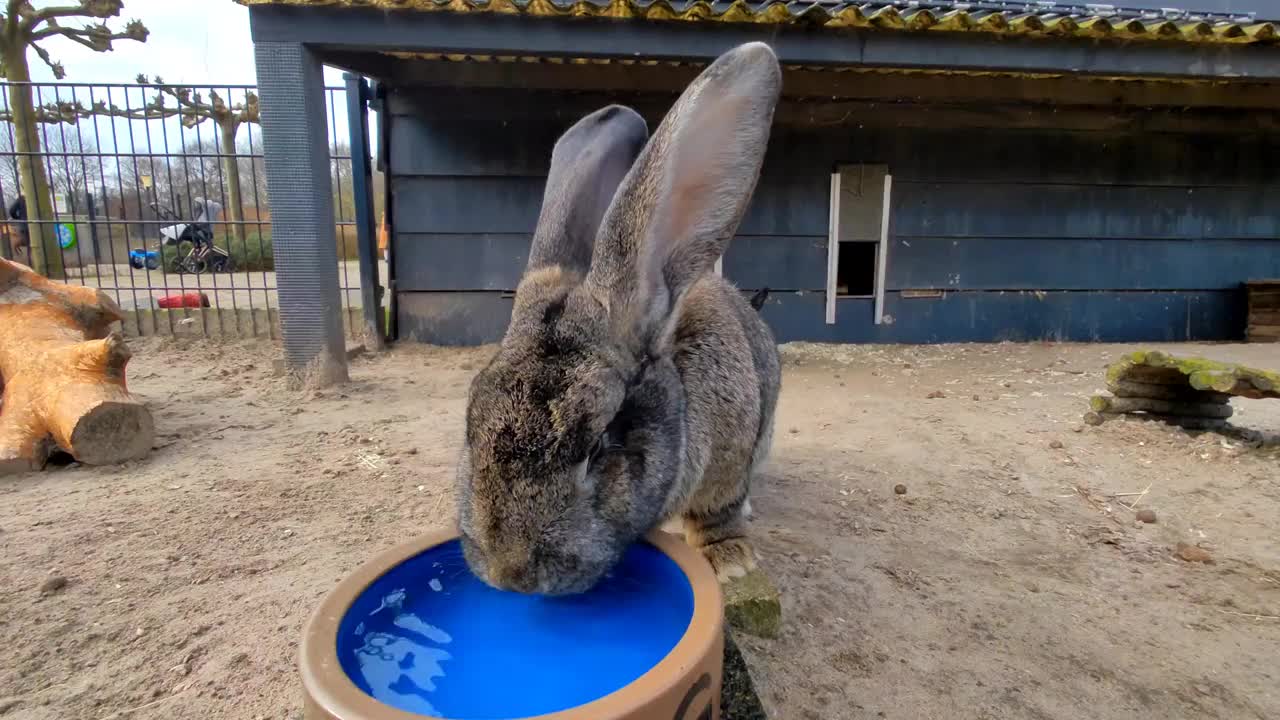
(423, 636)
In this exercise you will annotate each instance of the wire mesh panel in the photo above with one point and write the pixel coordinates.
(156, 194)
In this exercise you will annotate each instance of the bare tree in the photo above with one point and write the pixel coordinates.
(24, 27)
(192, 109)
(228, 117)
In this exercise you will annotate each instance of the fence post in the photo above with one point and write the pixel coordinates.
(362, 193)
(296, 156)
(92, 212)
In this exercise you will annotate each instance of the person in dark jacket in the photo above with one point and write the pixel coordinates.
(17, 213)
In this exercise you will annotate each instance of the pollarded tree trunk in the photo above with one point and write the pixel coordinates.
(231, 168)
(46, 255)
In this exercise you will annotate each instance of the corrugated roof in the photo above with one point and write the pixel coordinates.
(1032, 19)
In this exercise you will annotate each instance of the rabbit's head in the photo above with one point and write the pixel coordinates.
(574, 431)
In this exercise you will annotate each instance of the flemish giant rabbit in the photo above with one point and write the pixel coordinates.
(633, 385)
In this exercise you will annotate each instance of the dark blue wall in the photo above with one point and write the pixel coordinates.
(1030, 234)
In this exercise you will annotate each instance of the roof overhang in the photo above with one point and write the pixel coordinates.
(828, 35)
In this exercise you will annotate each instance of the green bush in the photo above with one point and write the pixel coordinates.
(255, 254)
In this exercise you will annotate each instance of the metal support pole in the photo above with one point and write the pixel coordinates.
(362, 193)
(296, 156)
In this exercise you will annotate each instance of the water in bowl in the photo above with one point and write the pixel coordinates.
(430, 638)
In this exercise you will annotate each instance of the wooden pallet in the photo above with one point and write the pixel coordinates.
(1264, 310)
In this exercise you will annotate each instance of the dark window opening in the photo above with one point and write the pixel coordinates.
(856, 269)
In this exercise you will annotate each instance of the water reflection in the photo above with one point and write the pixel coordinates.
(428, 637)
(401, 668)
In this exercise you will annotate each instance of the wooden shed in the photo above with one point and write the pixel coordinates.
(940, 171)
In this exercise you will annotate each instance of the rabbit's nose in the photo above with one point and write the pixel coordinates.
(517, 577)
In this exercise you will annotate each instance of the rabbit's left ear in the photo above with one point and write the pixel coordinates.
(587, 164)
(677, 209)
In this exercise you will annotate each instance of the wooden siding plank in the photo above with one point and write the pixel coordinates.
(475, 318)
(1082, 211)
(479, 205)
(1014, 316)
(1078, 263)
(428, 142)
(430, 145)
(778, 262)
(781, 206)
(1095, 158)
(468, 261)
(788, 206)
(476, 261)
(444, 318)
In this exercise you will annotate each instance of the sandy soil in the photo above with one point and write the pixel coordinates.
(1006, 583)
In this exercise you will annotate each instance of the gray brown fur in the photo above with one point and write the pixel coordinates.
(638, 386)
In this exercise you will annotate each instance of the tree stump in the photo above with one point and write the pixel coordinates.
(63, 376)
(1191, 392)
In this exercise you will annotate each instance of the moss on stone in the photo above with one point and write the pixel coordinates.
(752, 604)
(1198, 373)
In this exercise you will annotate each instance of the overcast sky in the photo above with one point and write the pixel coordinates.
(192, 41)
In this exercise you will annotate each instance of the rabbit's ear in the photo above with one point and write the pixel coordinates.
(681, 203)
(588, 163)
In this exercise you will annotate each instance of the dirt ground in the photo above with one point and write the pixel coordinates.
(1008, 582)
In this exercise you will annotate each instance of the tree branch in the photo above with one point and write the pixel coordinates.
(100, 9)
(98, 38)
(196, 109)
(32, 18)
(73, 112)
(56, 67)
(190, 106)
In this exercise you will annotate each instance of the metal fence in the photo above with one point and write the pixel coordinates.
(158, 197)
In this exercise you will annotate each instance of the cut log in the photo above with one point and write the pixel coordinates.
(1156, 391)
(63, 376)
(1102, 404)
(1153, 376)
(1197, 373)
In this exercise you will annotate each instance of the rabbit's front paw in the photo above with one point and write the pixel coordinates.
(730, 558)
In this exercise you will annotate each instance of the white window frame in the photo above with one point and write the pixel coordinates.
(882, 252)
(833, 246)
(833, 249)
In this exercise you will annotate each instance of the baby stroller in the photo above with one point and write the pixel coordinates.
(202, 254)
